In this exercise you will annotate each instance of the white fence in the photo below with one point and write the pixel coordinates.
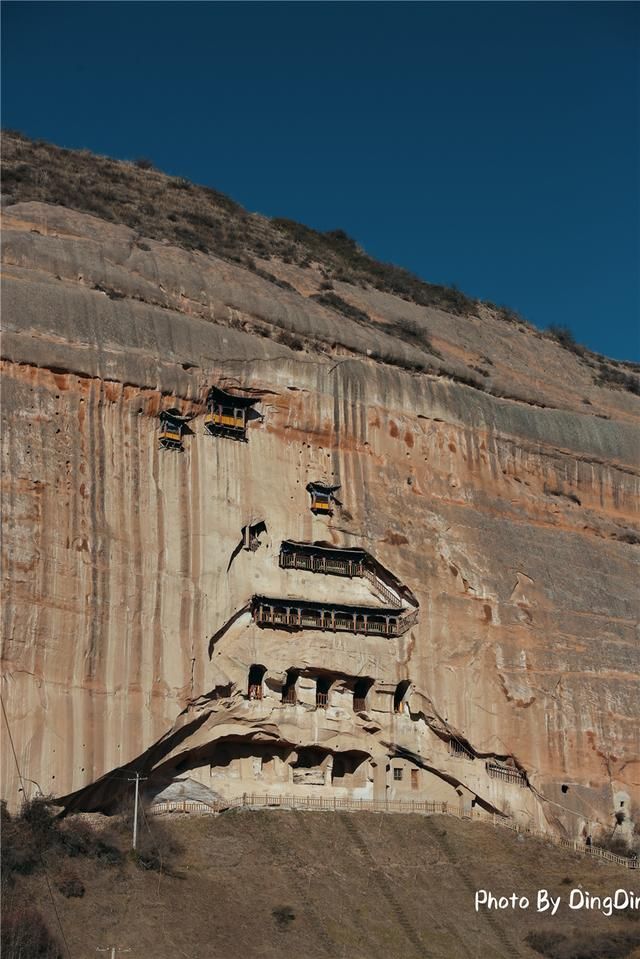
(420, 807)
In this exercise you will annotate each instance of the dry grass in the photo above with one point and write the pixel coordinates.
(359, 886)
(199, 218)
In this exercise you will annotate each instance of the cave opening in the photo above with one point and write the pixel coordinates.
(289, 695)
(400, 696)
(256, 681)
(361, 690)
(323, 686)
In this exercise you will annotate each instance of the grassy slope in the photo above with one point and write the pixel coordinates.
(360, 886)
(196, 217)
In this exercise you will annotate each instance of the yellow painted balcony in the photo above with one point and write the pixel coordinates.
(171, 435)
(224, 419)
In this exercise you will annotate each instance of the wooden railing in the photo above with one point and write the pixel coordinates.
(322, 699)
(427, 807)
(348, 567)
(321, 564)
(359, 705)
(458, 751)
(289, 697)
(506, 773)
(326, 618)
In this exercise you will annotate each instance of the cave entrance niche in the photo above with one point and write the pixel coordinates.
(237, 765)
(401, 696)
(350, 769)
(361, 690)
(323, 688)
(255, 688)
(310, 766)
(289, 694)
(251, 535)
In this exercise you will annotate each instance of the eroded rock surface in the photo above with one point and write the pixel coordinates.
(512, 518)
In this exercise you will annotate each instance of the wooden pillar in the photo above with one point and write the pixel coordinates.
(333, 620)
(271, 613)
(365, 622)
(354, 622)
(386, 625)
(299, 616)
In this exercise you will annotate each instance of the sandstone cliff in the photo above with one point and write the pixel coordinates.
(481, 463)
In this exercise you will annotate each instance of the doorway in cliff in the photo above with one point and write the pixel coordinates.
(323, 687)
(350, 769)
(255, 688)
(310, 766)
(289, 696)
(400, 697)
(361, 690)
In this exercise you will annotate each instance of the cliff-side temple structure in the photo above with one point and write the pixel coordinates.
(228, 414)
(462, 627)
(173, 428)
(322, 498)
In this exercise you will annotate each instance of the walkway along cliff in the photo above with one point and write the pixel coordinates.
(251, 548)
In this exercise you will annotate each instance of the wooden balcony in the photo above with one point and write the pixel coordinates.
(508, 774)
(299, 615)
(226, 422)
(171, 439)
(328, 565)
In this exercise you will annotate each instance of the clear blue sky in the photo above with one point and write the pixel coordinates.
(492, 145)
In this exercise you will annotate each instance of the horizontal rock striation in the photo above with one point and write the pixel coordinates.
(506, 503)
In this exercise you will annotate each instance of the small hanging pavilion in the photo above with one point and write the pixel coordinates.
(173, 427)
(322, 498)
(228, 414)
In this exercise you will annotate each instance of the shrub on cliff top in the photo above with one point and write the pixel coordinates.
(39, 829)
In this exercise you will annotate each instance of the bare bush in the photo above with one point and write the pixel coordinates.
(25, 935)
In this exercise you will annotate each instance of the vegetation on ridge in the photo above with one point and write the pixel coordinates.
(200, 218)
(174, 210)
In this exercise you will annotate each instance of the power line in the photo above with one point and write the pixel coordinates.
(40, 856)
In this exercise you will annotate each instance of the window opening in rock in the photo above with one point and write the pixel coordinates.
(397, 775)
(251, 534)
(323, 685)
(289, 689)
(360, 692)
(256, 677)
(400, 704)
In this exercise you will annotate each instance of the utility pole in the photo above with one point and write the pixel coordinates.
(135, 814)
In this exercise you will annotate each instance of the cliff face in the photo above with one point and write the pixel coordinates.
(506, 504)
